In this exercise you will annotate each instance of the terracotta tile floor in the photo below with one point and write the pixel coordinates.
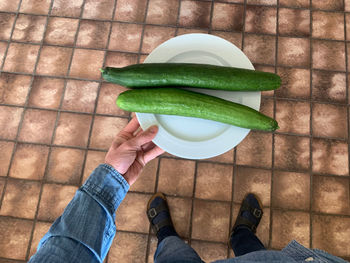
(57, 119)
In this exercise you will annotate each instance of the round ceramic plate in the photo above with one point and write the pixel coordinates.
(195, 138)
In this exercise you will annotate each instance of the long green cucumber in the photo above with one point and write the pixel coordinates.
(172, 101)
(191, 75)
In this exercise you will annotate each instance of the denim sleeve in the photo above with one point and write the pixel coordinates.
(85, 230)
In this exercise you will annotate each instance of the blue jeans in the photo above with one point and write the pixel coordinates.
(173, 249)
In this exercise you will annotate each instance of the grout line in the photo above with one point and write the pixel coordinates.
(178, 18)
(311, 132)
(142, 32)
(211, 17)
(347, 89)
(97, 97)
(273, 134)
(192, 203)
(57, 116)
(18, 128)
(234, 169)
(243, 27)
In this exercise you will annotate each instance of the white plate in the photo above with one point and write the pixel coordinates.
(195, 138)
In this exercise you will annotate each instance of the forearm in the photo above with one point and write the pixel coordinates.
(88, 220)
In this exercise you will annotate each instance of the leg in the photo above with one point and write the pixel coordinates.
(170, 247)
(243, 239)
(173, 249)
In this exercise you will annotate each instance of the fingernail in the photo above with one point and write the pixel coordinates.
(153, 129)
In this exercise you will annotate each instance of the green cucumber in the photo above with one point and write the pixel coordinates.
(191, 75)
(172, 101)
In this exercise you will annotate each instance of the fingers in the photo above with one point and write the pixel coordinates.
(127, 133)
(132, 126)
(143, 138)
(153, 153)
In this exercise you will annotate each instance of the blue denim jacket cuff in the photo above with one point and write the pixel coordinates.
(107, 186)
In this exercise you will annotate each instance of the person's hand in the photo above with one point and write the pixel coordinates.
(131, 150)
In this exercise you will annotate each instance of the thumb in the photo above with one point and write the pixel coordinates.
(144, 137)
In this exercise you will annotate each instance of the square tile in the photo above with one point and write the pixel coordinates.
(295, 3)
(212, 177)
(128, 248)
(255, 150)
(9, 6)
(131, 214)
(262, 2)
(328, 25)
(226, 157)
(162, 12)
(93, 159)
(67, 8)
(2, 184)
(260, 19)
(73, 129)
(294, 22)
(154, 36)
(125, 37)
(331, 233)
(16, 233)
(54, 200)
(328, 120)
(291, 190)
(254, 43)
(93, 34)
(293, 116)
(9, 121)
(54, 61)
(183, 31)
(328, 55)
(61, 31)
(29, 28)
(347, 26)
(41, 228)
(336, 5)
(102, 9)
(46, 92)
(295, 83)
(330, 157)
(37, 126)
(180, 210)
(330, 195)
(228, 17)
(20, 199)
(130, 10)
(152, 247)
(147, 180)
(80, 96)
(214, 217)
(6, 149)
(209, 252)
(347, 5)
(29, 161)
(292, 152)
(252, 180)
(35, 7)
(267, 107)
(329, 86)
(21, 58)
(289, 225)
(92, 59)
(235, 38)
(263, 231)
(176, 177)
(104, 131)
(3, 48)
(107, 100)
(65, 165)
(118, 59)
(14, 88)
(6, 22)
(195, 14)
(294, 51)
